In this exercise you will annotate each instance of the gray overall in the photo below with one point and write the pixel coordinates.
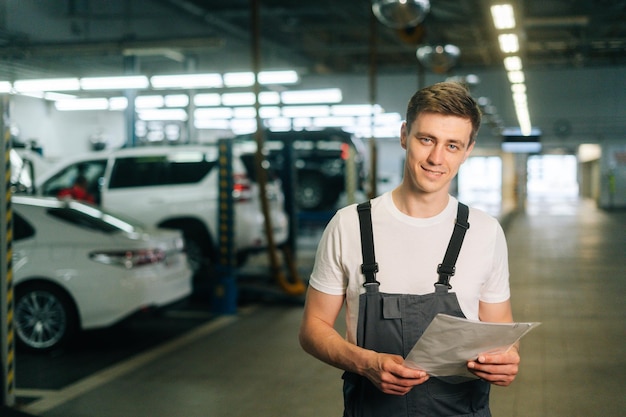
(392, 323)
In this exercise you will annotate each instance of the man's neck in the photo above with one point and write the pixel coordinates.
(419, 205)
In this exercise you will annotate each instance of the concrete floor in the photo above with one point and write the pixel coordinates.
(568, 271)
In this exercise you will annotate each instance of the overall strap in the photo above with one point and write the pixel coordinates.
(447, 268)
(369, 268)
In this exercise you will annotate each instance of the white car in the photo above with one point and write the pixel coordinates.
(76, 267)
(176, 187)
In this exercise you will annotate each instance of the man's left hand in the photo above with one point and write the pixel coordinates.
(496, 368)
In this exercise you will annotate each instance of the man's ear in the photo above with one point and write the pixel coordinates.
(404, 134)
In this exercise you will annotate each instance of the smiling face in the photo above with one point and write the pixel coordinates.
(436, 145)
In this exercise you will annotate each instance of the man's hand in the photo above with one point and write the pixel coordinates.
(391, 376)
(498, 369)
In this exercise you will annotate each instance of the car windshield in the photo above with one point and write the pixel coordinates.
(93, 218)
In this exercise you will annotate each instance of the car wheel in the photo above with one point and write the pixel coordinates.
(310, 192)
(45, 318)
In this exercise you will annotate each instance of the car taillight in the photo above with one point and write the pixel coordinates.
(129, 258)
(241, 188)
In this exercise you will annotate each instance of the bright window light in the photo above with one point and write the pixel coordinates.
(238, 99)
(516, 77)
(51, 84)
(207, 99)
(239, 79)
(306, 111)
(509, 43)
(162, 114)
(82, 104)
(176, 100)
(5, 87)
(278, 77)
(149, 102)
(513, 63)
(187, 81)
(503, 16)
(131, 82)
(243, 125)
(328, 95)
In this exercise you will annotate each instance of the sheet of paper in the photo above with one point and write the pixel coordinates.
(449, 342)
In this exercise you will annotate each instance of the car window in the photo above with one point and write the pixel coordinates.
(21, 228)
(144, 171)
(92, 170)
(85, 220)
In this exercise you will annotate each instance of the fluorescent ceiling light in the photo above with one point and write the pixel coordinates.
(239, 79)
(149, 102)
(269, 97)
(82, 104)
(278, 77)
(240, 126)
(333, 121)
(513, 63)
(213, 113)
(220, 124)
(503, 16)
(176, 100)
(518, 88)
(280, 123)
(51, 96)
(328, 95)
(516, 77)
(301, 122)
(268, 112)
(306, 111)
(51, 84)
(238, 99)
(509, 43)
(207, 99)
(187, 81)
(118, 103)
(162, 114)
(355, 109)
(244, 113)
(131, 82)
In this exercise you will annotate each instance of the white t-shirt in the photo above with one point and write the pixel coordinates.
(408, 251)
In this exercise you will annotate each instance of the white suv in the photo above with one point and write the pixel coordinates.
(176, 187)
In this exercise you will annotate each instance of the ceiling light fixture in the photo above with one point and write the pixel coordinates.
(400, 14)
(187, 81)
(438, 58)
(50, 84)
(325, 95)
(130, 82)
(503, 17)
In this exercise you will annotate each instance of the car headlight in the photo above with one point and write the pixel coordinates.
(129, 258)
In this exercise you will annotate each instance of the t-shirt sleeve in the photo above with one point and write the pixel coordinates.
(496, 289)
(328, 273)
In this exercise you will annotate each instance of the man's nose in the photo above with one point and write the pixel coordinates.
(436, 155)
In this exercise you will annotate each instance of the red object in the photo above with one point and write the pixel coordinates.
(77, 193)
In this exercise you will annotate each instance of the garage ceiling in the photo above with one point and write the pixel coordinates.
(58, 38)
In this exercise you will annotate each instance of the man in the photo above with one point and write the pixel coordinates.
(411, 227)
(78, 191)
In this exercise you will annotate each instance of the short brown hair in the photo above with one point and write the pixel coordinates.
(448, 98)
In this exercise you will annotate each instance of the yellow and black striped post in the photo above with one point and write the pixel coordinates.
(6, 269)
(224, 293)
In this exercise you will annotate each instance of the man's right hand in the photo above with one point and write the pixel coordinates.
(389, 374)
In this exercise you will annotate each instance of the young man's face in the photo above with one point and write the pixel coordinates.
(436, 146)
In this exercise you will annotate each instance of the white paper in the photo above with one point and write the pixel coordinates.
(449, 342)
